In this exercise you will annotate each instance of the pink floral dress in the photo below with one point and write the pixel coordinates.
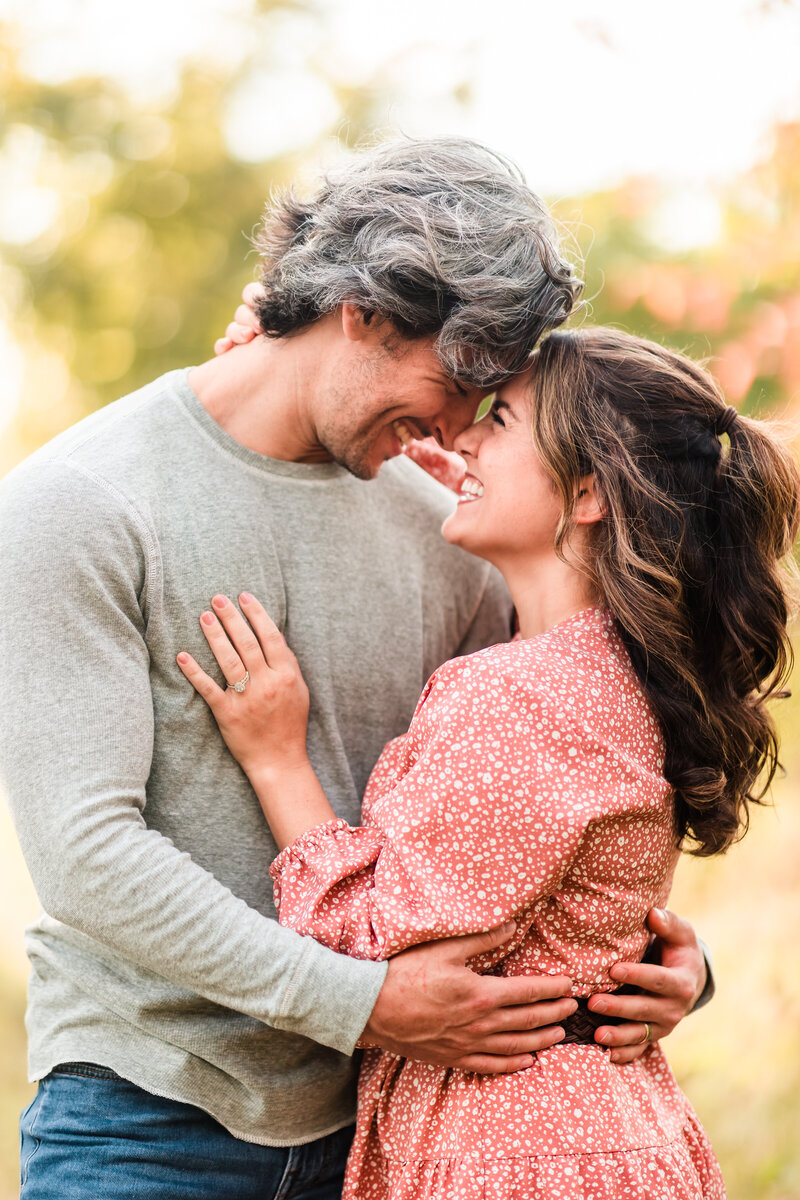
(529, 785)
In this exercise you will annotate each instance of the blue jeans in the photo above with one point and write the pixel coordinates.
(89, 1135)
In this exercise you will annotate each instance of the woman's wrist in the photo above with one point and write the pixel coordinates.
(277, 778)
(276, 771)
(291, 798)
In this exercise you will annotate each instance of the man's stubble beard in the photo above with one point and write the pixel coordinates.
(353, 448)
(355, 456)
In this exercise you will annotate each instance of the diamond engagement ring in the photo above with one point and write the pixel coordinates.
(241, 684)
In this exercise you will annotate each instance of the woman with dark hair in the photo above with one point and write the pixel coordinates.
(640, 524)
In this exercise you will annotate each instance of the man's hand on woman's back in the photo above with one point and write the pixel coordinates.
(434, 1008)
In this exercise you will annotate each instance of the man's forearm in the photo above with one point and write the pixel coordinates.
(155, 907)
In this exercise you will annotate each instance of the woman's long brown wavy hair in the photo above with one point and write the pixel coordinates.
(690, 556)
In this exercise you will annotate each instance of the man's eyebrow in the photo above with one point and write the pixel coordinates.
(499, 402)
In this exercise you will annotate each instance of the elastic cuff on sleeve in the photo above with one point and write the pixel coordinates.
(306, 841)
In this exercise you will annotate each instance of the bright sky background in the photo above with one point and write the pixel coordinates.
(580, 92)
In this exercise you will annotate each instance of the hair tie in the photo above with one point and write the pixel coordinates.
(725, 421)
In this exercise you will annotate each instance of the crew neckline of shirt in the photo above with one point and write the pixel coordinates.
(198, 414)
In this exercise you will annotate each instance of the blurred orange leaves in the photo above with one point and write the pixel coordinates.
(733, 300)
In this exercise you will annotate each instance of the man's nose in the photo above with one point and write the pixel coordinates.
(443, 437)
(451, 422)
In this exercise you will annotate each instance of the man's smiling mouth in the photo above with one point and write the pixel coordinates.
(407, 432)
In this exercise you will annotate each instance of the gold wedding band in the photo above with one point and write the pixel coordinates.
(647, 1032)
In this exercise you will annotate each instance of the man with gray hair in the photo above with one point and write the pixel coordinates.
(185, 1043)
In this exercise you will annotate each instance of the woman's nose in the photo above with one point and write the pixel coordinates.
(467, 442)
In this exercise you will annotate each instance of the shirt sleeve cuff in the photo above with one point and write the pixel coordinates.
(710, 985)
(329, 997)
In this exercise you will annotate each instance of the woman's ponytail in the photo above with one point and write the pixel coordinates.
(691, 558)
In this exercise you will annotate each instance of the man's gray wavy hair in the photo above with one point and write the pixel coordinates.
(441, 236)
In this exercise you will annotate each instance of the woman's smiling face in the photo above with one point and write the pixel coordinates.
(508, 508)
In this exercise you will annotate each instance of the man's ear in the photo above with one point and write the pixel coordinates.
(589, 503)
(359, 324)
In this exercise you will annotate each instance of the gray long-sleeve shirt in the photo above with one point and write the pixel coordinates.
(159, 955)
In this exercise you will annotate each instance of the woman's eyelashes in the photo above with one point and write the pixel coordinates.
(495, 413)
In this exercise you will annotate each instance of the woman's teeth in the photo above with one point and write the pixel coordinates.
(471, 488)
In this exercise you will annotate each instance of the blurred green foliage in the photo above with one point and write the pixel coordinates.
(140, 268)
(146, 253)
(142, 265)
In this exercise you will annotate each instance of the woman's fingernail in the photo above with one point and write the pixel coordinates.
(599, 1005)
(246, 598)
(604, 1038)
(207, 618)
(619, 972)
(659, 914)
(219, 601)
(183, 658)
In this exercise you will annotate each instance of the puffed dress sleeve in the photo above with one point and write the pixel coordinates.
(470, 818)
